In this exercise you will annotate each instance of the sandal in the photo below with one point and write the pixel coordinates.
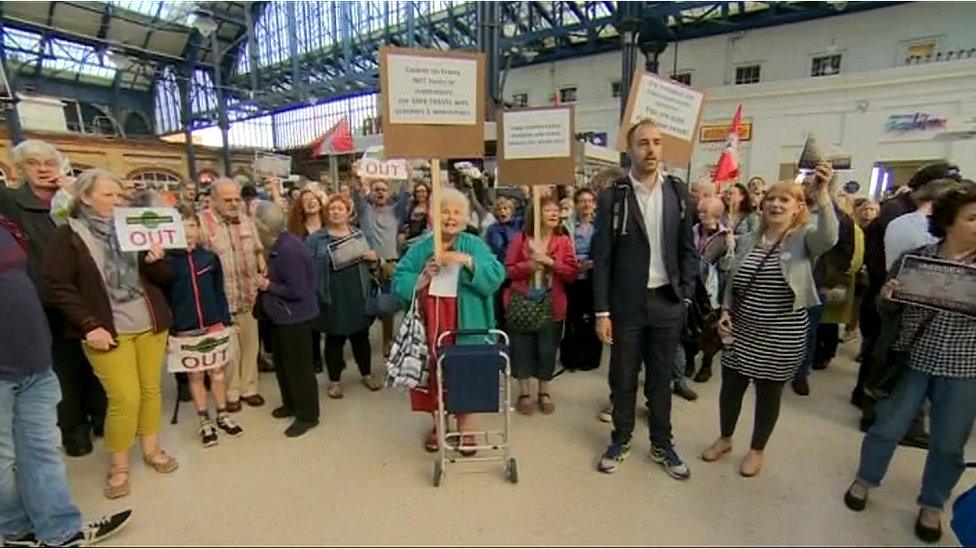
(122, 490)
(751, 464)
(431, 445)
(334, 390)
(718, 449)
(466, 442)
(372, 383)
(167, 465)
(524, 405)
(546, 405)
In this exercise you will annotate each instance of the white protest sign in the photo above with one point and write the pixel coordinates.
(139, 229)
(270, 164)
(374, 168)
(675, 109)
(543, 133)
(432, 90)
(200, 353)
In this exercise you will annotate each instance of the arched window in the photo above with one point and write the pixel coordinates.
(158, 179)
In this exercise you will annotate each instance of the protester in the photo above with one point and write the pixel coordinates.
(288, 301)
(839, 295)
(230, 233)
(480, 277)
(939, 349)
(913, 230)
(712, 238)
(199, 304)
(742, 218)
(865, 211)
(416, 218)
(641, 283)
(505, 228)
(305, 218)
(699, 190)
(35, 501)
(547, 258)
(757, 191)
(81, 411)
(764, 310)
(342, 295)
(113, 300)
(581, 349)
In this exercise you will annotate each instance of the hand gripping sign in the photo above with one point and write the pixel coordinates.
(200, 353)
(139, 229)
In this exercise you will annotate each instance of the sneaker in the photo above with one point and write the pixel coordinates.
(97, 530)
(208, 433)
(615, 454)
(27, 540)
(606, 414)
(228, 426)
(668, 458)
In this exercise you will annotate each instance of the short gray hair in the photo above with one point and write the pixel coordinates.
(223, 180)
(448, 195)
(85, 184)
(270, 220)
(34, 147)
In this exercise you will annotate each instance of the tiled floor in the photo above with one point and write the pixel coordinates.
(361, 478)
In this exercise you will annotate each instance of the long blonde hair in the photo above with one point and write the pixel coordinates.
(794, 191)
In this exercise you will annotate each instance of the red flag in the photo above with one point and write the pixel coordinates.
(727, 168)
(338, 138)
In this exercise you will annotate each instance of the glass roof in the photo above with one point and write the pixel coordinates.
(174, 12)
(59, 58)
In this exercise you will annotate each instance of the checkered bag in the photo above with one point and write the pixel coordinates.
(407, 366)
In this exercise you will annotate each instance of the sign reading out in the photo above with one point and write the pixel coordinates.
(139, 229)
(432, 90)
(538, 133)
(374, 168)
(200, 353)
(674, 107)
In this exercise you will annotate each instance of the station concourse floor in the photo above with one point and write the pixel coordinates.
(362, 478)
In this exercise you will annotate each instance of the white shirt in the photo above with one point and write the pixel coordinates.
(651, 203)
(904, 234)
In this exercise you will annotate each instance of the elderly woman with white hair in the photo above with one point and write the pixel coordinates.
(288, 300)
(480, 276)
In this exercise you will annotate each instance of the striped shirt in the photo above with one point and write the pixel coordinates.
(238, 247)
(769, 336)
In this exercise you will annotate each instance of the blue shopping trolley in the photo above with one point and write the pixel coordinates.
(478, 378)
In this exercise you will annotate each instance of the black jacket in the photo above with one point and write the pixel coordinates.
(621, 260)
(23, 207)
(874, 254)
(196, 291)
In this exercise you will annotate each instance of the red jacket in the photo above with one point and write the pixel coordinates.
(521, 268)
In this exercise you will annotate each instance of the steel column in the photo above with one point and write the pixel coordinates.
(222, 120)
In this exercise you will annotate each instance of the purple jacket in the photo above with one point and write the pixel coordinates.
(290, 299)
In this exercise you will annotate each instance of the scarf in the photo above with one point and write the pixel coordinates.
(121, 268)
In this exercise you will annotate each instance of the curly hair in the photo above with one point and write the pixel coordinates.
(946, 208)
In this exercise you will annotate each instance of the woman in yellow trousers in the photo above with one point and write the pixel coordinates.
(113, 302)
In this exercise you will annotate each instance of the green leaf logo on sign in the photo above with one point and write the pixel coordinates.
(206, 345)
(149, 219)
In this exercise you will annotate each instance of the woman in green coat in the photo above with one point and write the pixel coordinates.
(479, 278)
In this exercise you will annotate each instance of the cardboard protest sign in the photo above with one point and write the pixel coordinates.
(139, 229)
(272, 165)
(674, 107)
(200, 353)
(374, 168)
(537, 146)
(433, 103)
(812, 154)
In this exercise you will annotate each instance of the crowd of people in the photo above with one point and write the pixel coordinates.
(663, 272)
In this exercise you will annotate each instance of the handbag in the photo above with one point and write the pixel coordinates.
(347, 251)
(530, 312)
(380, 301)
(407, 365)
(884, 376)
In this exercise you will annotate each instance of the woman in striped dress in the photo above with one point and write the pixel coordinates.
(764, 310)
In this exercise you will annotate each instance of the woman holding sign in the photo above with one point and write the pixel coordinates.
(471, 307)
(113, 301)
(535, 313)
(938, 348)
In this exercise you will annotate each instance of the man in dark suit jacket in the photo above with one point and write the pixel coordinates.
(643, 277)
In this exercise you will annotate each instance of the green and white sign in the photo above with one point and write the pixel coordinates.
(139, 229)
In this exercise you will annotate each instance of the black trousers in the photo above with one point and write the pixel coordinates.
(828, 338)
(769, 395)
(335, 346)
(266, 335)
(580, 349)
(83, 403)
(870, 326)
(652, 342)
(295, 371)
(317, 349)
(534, 354)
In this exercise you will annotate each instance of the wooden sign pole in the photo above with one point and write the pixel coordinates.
(435, 191)
(537, 228)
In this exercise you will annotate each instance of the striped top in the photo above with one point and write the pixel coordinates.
(769, 336)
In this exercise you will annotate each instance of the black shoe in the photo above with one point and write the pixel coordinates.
(703, 375)
(183, 392)
(854, 503)
(228, 426)
(684, 392)
(97, 530)
(208, 433)
(98, 431)
(318, 368)
(299, 428)
(915, 440)
(800, 386)
(690, 370)
(78, 447)
(857, 398)
(927, 533)
(27, 540)
(282, 412)
(821, 364)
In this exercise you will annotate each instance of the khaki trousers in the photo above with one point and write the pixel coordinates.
(242, 372)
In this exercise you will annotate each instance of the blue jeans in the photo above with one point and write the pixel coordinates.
(814, 313)
(34, 496)
(951, 419)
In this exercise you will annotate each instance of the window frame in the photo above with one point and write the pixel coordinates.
(561, 89)
(747, 66)
(829, 57)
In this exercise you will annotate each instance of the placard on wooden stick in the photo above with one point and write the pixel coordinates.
(537, 146)
(433, 103)
(675, 108)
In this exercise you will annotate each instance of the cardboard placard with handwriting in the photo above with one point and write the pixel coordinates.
(433, 103)
(675, 108)
(537, 146)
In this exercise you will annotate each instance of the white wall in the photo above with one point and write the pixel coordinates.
(787, 103)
